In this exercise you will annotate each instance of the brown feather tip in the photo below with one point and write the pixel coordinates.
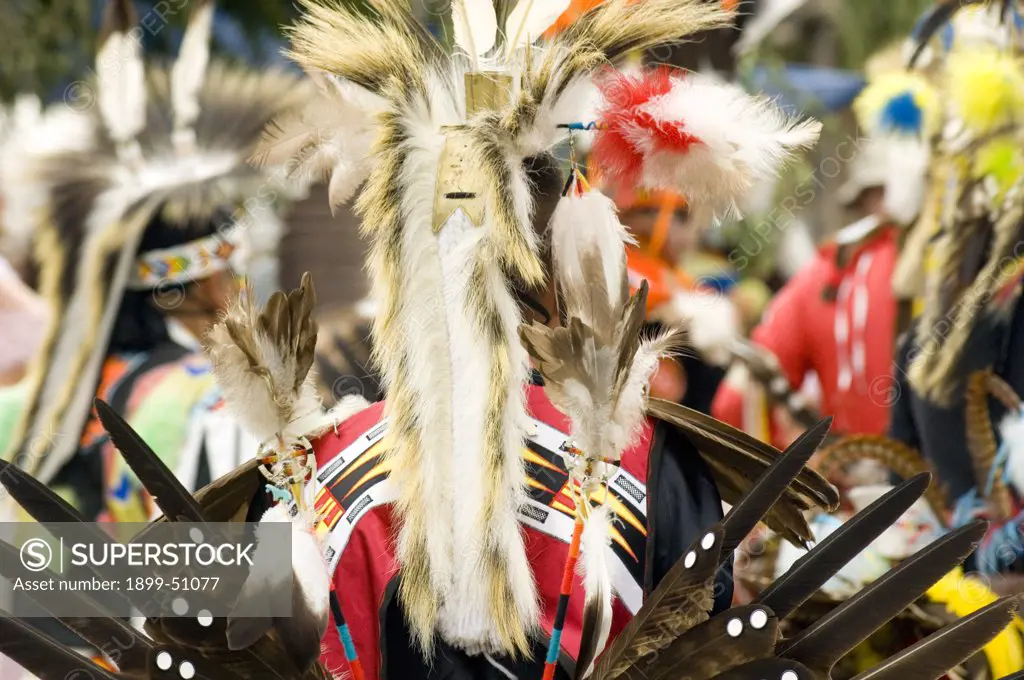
(119, 16)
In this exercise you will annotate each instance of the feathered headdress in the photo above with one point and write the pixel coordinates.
(901, 113)
(138, 143)
(952, 25)
(982, 205)
(439, 142)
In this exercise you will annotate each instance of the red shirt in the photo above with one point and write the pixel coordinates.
(367, 559)
(846, 338)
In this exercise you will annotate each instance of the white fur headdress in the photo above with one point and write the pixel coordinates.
(439, 142)
(137, 143)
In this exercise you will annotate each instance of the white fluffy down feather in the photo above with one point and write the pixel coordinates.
(604, 426)
(744, 138)
(308, 573)
(906, 178)
(330, 139)
(1012, 432)
(711, 322)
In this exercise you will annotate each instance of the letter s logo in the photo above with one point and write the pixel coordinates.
(36, 554)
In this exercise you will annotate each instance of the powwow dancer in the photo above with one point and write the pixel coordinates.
(959, 368)
(436, 556)
(139, 208)
(837, 316)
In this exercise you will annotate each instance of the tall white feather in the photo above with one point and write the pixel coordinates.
(122, 86)
(189, 71)
(529, 20)
(597, 582)
(588, 224)
(476, 27)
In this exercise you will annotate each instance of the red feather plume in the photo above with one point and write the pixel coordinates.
(624, 122)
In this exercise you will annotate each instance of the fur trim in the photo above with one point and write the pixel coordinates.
(65, 372)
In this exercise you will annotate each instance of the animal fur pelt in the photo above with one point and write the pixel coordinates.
(262, 361)
(708, 141)
(102, 173)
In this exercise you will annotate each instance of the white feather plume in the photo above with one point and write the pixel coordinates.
(476, 27)
(190, 67)
(596, 368)
(1011, 429)
(588, 224)
(597, 583)
(528, 21)
(742, 139)
(331, 139)
(906, 178)
(307, 583)
(122, 86)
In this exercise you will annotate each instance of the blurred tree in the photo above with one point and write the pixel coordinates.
(49, 43)
(44, 40)
(867, 26)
